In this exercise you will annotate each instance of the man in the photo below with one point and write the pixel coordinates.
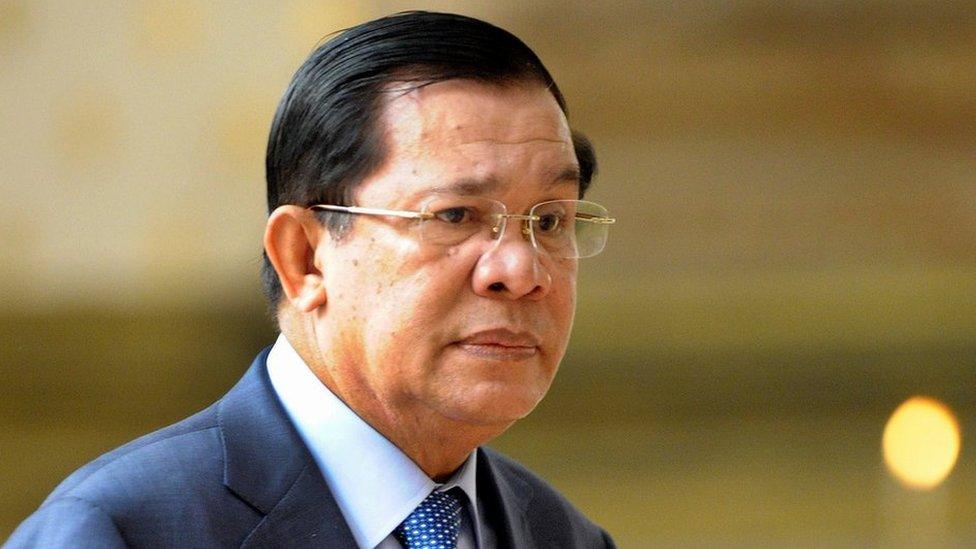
(421, 258)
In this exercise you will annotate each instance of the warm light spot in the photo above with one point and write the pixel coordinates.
(921, 443)
(13, 18)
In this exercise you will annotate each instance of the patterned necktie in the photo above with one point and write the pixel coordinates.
(434, 524)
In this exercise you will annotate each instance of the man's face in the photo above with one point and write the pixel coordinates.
(472, 332)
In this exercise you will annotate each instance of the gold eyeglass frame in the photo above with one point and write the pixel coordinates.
(496, 229)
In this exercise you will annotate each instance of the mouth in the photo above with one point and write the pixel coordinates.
(500, 344)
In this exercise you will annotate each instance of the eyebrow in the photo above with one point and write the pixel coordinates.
(467, 186)
(567, 174)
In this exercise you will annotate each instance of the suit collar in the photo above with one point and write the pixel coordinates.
(267, 465)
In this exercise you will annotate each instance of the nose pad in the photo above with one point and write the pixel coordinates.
(498, 230)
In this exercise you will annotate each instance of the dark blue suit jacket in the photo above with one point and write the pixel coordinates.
(238, 475)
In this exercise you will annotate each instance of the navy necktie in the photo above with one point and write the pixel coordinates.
(434, 524)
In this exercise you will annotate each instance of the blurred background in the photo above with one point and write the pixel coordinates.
(795, 255)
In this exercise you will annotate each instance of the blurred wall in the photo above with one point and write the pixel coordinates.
(795, 184)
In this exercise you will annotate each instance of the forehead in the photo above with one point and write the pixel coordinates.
(458, 111)
(501, 136)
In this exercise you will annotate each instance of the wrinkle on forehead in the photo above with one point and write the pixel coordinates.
(479, 129)
(525, 141)
(457, 118)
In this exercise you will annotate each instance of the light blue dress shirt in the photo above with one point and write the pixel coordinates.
(374, 483)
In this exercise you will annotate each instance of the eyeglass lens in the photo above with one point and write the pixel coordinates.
(562, 228)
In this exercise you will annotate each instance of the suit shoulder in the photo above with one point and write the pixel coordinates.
(547, 507)
(67, 522)
(158, 455)
(165, 489)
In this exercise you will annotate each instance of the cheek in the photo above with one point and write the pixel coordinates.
(563, 310)
(412, 297)
(564, 291)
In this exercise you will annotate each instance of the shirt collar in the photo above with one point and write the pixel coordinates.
(374, 483)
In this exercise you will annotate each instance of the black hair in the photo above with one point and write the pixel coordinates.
(325, 136)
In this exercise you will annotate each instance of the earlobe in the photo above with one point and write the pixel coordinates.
(290, 242)
(312, 294)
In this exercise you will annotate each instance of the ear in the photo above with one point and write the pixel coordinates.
(290, 239)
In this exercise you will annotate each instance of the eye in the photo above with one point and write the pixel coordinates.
(549, 223)
(456, 215)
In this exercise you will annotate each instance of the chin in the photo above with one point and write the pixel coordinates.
(495, 404)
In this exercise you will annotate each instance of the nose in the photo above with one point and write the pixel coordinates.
(510, 268)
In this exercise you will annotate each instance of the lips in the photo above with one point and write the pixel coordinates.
(500, 344)
(502, 337)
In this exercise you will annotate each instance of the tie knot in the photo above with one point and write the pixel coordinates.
(434, 524)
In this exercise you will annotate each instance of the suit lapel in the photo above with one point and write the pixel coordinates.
(267, 465)
(506, 497)
(306, 516)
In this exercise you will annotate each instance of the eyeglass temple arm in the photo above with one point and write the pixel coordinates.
(589, 218)
(373, 211)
